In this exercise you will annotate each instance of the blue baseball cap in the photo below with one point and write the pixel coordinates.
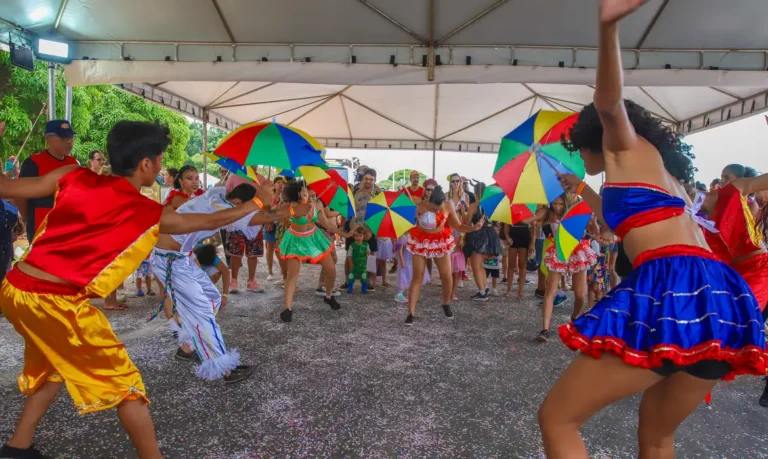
(60, 128)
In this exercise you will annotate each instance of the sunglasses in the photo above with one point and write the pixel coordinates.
(455, 181)
(429, 189)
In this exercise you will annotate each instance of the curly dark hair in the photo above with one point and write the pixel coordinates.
(587, 132)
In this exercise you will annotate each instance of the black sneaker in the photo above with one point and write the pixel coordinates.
(479, 296)
(320, 291)
(504, 280)
(764, 397)
(371, 289)
(447, 311)
(409, 320)
(543, 336)
(539, 294)
(192, 357)
(332, 303)
(9, 452)
(286, 315)
(239, 374)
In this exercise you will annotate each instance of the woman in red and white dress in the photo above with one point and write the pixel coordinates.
(432, 238)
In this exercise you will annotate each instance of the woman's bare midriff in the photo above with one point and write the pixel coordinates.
(166, 242)
(31, 271)
(680, 230)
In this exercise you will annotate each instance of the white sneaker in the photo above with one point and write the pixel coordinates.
(461, 283)
(270, 278)
(494, 292)
(121, 296)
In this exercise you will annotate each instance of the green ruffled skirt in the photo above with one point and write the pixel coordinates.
(312, 246)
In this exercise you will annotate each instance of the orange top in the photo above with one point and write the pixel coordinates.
(738, 234)
(99, 231)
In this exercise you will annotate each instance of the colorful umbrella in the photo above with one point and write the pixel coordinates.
(531, 156)
(233, 167)
(270, 144)
(294, 174)
(497, 207)
(331, 188)
(571, 229)
(390, 214)
(343, 200)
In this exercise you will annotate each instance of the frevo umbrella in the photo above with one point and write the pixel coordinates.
(390, 214)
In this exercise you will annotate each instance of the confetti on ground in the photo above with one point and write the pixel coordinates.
(357, 383)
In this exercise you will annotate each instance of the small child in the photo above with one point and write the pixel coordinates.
(458, 264)
(358, 253)
(597, 274)
(144, 272)
(405, 269)
(492, 267)
(210, 262)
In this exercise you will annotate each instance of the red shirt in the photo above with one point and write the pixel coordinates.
(175, 193)
(98, 233)
(38, 165)
(419, 193)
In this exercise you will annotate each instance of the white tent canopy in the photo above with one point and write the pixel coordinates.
(408, 74)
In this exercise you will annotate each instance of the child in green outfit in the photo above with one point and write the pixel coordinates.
(358, 252)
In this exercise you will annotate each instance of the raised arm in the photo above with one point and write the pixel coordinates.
(32, 187)
(618, 133)
(175, 223)
(750, 185)
(326, 223)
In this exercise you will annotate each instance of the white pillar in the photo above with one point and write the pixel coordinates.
(51, 91)
(205, 157)
(68, 104)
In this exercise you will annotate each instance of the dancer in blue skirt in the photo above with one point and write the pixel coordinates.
(682, 320)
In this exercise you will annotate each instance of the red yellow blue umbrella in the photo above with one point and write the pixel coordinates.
(531, 156)
(390, 214)
(331, 188)
(497, 207)
(270, 144)
(571, 229)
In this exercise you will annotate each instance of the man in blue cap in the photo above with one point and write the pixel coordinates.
(59, 138)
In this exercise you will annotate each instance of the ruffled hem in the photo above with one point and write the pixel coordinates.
(749, 360)
(582, 258)
(217, 367)
(432, 249)
(183, 337)
(303, 258)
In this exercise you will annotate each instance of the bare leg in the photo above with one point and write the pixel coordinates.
(429, 267)
(329, 272)
(138, 284)
(663, 408)
(612, 256)
(35, 408)
(579, 292)
(522, 258)
(550, 291)
(476, 260)
(236, 264)
(148, 281)
(135, 418)
(293, 267)
(444, 269)
(383, 267)
(252, 264)
(270, 257)
(419, 263)
(585, 387)
(455, 279)
(283, 268)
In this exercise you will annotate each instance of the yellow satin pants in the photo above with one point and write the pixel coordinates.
(68, 340)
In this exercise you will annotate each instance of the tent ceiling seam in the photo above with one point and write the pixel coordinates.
(468, 23)
(651, 24)
(482, 120)
(224, 21)
(263, 102)
(338, 94)
(671, 118)
(346, 118)
(391, 120)
(394, 22)
(288, 110)
(223, 94)
(244, 94)
(726, 93)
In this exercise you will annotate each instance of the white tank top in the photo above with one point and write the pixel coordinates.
(428, 220)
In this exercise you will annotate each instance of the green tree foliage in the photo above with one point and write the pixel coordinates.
(95, 109)
(195, 144)
(399, 179)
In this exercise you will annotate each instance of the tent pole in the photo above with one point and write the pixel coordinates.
(68, 104)
(434, 159)
(51, 91)
(205, 149)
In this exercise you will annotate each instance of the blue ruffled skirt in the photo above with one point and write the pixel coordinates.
(679, 304)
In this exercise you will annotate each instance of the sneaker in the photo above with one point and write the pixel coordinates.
(447, 311)
(504, 280)
(239, 374)
(364, 288)
(559, 300)
(350, 288)
(400, 298)
(286, 315)
(454, 298)
(543, 336)
(270, 278)
(461, 283)
(151, 293)
(371, 289)
(409, 320)
(182, 356)
(336, 293)
(139, 293)
(393, 269)
(494, 292)
(121, 297)
(320, 291)
(233, 287)
(281, 281)
(253, 287)
(539, 294)
(479, 296)
(9, 452)
(528, 282)
(332, 303)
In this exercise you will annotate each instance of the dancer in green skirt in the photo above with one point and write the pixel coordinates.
(303, 241)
